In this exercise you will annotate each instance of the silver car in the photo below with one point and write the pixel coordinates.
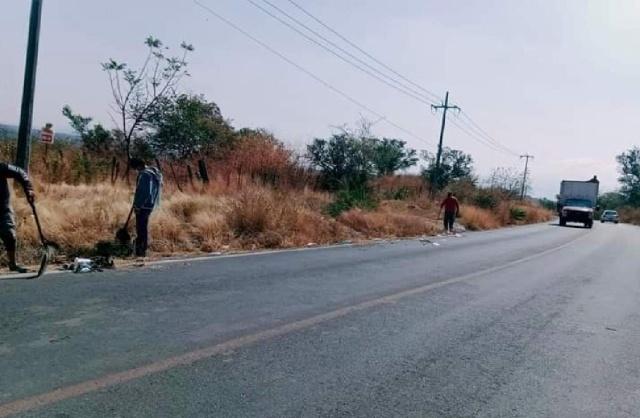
(609, 216)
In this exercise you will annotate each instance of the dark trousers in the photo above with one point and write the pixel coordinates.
(449, 219)
(142, 231)
(8, 228)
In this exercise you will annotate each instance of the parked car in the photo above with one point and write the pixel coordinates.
(610, 216)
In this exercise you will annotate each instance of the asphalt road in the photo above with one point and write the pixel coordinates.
(537, 321)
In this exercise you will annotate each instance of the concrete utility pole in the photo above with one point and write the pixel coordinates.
(524, 179)
(445, 106)
(28, 90)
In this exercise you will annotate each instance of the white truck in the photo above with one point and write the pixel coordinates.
(577, 201)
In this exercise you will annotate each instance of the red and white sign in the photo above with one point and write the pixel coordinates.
(47, 135)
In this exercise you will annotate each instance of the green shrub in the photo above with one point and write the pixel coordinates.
(485, 199)
(349, 199)
(517, 214)
(401, 193)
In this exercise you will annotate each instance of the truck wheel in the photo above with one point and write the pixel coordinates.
(589, 225)
(563, 222)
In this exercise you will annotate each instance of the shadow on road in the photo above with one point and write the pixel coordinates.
(579, 226)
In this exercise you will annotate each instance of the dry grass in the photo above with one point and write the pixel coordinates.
(386, 224)
(400, 187)
(630, 215)
(537, 214)
(507, 213)
(216, 217)
(477, 219)
(202, 220)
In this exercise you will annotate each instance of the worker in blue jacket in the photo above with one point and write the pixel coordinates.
(145, 200)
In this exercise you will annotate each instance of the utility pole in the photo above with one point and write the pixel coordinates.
(28, 90)
(524, 178)
(435, 177)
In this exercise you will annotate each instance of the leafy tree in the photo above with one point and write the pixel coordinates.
(629, 166)
(391, 155)
(95, 139)
(455, 165)
(188, 125)
(548, 203)
(611, 200)
(343, 161)
(138, 92)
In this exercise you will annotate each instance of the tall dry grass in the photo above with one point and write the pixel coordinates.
(629, 215)
(478, 219)
(506, 213)
(198, 220)
(247, 213)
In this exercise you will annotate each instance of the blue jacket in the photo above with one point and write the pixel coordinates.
(148, 188)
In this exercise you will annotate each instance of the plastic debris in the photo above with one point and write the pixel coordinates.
(82, 265)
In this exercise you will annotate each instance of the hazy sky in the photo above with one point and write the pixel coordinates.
(556, 79)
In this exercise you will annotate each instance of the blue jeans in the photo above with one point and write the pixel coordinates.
(142, 231)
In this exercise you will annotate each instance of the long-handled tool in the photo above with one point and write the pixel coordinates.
(122, 235)
(48, 247)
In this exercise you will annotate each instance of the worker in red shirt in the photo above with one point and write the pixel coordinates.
(451, 210)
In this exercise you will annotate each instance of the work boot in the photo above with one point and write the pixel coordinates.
(18, 269)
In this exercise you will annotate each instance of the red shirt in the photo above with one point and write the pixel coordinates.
(450, 204)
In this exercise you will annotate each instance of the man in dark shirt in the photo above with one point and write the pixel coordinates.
(7, 218)
(145, 200)
(451, 210)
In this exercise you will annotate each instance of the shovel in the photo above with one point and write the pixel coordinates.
(122, 235)
(49, 247)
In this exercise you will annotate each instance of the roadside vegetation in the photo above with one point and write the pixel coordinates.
(229, 188)
(626, 200)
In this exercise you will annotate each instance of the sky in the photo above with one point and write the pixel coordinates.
(556, 79)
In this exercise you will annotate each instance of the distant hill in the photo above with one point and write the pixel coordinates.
(11, 132)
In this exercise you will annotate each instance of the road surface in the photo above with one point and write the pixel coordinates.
(536, 321)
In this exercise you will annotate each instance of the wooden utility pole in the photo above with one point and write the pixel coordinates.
(28, 90)
(524, 177)
(435, 176)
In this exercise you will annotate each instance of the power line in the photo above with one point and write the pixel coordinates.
(475, 127)
(434, 96)
(467, 129)
(488, 137)
(309, 73)
(349, 54)
(404, 90)
(467, 125)
(458, 123)
(472, 128)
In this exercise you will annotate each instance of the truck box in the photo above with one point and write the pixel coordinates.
(572, 189)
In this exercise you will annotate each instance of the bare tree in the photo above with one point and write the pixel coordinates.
(137, 92)
(505, 179)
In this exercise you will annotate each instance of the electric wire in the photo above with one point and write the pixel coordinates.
(433, 95)
(476, 127)
(473, 135)
(465, 124)
(310, 74)
(404, 90)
